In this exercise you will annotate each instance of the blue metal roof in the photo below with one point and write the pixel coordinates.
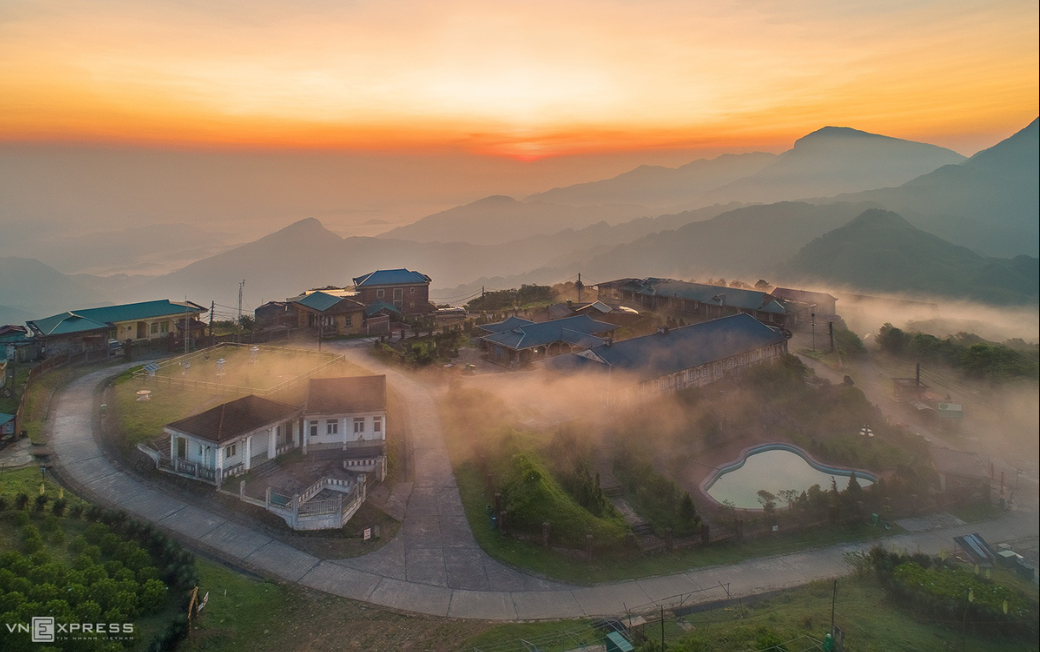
(509, 324)
(660, 354)
(66, 323)
(717, 296)
(89, 319)
(143, 310)
(390, 277)
(373, 308)
(319, 301)
(573, 330)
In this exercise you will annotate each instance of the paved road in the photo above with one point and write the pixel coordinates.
(434, 566)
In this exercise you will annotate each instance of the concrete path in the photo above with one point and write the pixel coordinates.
(434, 566)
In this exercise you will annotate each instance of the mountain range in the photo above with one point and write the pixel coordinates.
(881, 251)
(616, 227)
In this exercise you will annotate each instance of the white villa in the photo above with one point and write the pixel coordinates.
(343, 421)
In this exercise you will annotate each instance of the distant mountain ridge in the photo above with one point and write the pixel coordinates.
(989, 202)
(658, 186)
(835, 160)
(499, 219)
(881, 251)
(31, 287)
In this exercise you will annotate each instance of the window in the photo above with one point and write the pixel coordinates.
(359, 425)
(229, 451)
(154, 329)
(314, 428)
(377, 424)
(331, 427)
(380, 294)
(164, 327)
(347, 321)
(411, 290)
(200, 449)
(398, 294)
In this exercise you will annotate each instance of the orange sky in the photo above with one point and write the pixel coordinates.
(526, 79)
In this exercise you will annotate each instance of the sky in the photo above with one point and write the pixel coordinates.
(525, 80)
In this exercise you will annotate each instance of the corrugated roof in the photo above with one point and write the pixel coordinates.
(656, 355)
(142, 310)
(573, 330)
(323, 302)
(231, 420)
(804, 296)
(373, 308)
(66, 323)
(390, 277)
(346, 395)
(716, 295)
(509, 324)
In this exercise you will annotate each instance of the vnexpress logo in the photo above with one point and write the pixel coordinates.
(43, 629)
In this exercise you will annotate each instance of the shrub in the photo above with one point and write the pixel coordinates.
(21, 501)
(59, 507)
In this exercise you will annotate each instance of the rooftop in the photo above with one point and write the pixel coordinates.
(346, 395)
(323, 302)
(390, 277)
(88, 319)
(231, 420)
(660, 354)
(573, 330)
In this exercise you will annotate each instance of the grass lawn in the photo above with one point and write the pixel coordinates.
(143, 421)
(572, 568)
(800, 616)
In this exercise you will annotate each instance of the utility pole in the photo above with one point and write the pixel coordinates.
(918, 375)
(211, 305)
(483, 300)
(830, 328)
(240, 286)
(813, 314)
(834, 597)
(187, 325)
(580, 286)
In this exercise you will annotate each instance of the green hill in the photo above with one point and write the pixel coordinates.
(882, 252)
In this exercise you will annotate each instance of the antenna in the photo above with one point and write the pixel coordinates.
(240, 286)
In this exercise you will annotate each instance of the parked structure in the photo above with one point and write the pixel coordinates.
(674, 359)
(91, 328)
(516, 342)
(699, 302)
(405, 290)
(343, 422)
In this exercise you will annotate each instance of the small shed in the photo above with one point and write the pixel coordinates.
(615, 642)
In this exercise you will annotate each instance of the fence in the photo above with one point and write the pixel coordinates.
(223, 388)
(47, 365)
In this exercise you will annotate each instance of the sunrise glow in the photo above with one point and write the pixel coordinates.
(525, 80)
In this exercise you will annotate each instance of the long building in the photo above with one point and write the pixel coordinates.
(698, 302)
(674, 359)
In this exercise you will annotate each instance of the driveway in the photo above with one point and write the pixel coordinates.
(434, 566)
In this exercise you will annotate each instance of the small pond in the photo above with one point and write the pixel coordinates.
(776, 468)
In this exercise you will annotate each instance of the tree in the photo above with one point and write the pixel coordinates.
(767, 500)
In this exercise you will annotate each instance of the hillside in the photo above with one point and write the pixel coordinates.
(661, 187)
(745, 241)
(30, 287)
(837, 160)
(881, 251)
(989, 202)
(499, 219)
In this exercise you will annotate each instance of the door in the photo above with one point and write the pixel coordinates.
(182, 448)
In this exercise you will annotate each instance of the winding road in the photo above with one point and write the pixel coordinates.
(434, 566)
